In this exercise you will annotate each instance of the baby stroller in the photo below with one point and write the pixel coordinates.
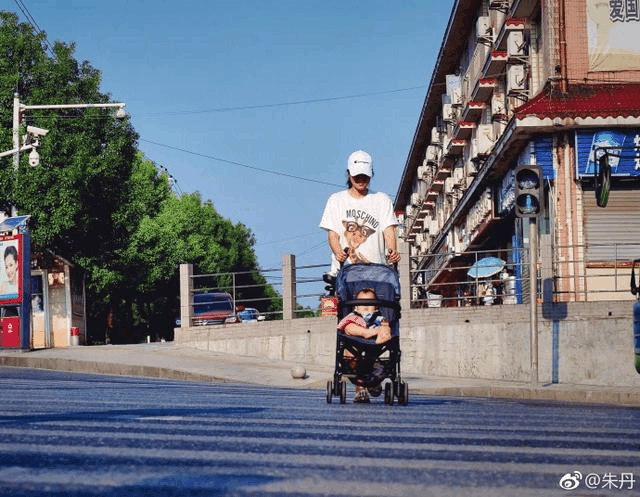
(369, 363)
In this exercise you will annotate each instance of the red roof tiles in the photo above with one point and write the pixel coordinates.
(583, 100)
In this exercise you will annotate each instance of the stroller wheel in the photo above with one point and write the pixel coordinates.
(329, 391)
(388, 393)
(343, 392)
(403, 393)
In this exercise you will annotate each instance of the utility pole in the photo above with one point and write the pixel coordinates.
(533, 295)
(16, 130)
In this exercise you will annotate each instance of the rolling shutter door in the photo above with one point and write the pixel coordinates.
(610, 230)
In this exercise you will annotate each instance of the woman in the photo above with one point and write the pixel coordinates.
(360, 223)
(10, 286)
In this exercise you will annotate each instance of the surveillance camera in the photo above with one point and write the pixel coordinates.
(32, 130)
(34, 158)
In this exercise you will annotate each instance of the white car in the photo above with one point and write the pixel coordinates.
(250, 315)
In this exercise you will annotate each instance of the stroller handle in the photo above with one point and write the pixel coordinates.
(388, 251)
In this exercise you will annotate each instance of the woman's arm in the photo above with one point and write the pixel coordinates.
(334, 244)
(391, 244)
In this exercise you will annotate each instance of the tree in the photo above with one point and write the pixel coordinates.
(78, 194)
(187, 230)
(94, 199)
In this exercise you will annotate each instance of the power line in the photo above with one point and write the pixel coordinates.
(284, 104)
(235, 163)
(317, 232)
(313, 248)
(25, 11)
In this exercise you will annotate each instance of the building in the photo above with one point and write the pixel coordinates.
(552, 83)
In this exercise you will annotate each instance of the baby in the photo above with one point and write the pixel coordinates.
(365, 321)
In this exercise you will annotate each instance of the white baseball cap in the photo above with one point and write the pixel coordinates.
(360, 162)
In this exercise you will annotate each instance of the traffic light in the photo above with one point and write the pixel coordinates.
(528, 191)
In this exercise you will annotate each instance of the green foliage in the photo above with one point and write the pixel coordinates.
(97, 202)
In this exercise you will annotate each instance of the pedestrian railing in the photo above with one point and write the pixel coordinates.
(279, 293)
(573, 273)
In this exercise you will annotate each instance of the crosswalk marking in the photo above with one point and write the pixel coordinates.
(95, 434)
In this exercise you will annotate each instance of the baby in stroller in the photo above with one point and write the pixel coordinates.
(368, 344)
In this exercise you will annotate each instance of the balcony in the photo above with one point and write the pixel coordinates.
(433, 192)
(501, 5)
(444, 171)
(483, 89)
(495, 64)
(463, 130)
(473, 111)
(524, 8)
(438, 185)
(456, 147)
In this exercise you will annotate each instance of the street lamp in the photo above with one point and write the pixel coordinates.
(33, 133)
(19, 108)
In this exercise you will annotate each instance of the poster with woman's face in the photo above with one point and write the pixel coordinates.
(10, 270)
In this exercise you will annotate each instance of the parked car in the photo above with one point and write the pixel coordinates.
(211, 308)
(250, 315)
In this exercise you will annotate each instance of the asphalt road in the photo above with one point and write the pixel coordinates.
(88, 435)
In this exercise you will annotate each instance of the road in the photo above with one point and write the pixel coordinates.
(89, 435)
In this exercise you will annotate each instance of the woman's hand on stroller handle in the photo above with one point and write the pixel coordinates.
(341, 257)
(393, 256)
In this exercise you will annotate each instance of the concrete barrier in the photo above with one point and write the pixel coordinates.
(580, 343)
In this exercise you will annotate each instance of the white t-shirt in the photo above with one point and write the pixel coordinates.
(360, 223)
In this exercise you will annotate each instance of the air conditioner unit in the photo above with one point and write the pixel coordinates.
(484, 138)
(409, 210)
(516, 78)
(436, 137)
(415, 199)
(423, 172)
(432, 155)
(516, 44)
(448, 113)
(451, 81)
(450, 241)
(445, 142)
(483, 29)
(456, 95)
(498, 105)
(458, 176)
(420, 187)
(448, 185)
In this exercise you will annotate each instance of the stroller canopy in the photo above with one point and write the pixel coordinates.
(380, 278)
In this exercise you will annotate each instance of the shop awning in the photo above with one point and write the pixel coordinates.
(584, 101)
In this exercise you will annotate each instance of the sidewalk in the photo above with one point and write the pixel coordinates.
(170, 361)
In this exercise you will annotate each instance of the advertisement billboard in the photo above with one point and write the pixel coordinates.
(11, 270)
(612, 30)
(622, 145)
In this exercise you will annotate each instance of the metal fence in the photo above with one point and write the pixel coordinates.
(575, 273)
(250, 289)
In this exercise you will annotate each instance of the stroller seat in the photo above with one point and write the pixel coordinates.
(362, 361)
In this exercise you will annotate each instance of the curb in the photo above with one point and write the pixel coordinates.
(544, 393)
(76, 366)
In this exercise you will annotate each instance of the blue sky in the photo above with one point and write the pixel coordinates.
(288, 86)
